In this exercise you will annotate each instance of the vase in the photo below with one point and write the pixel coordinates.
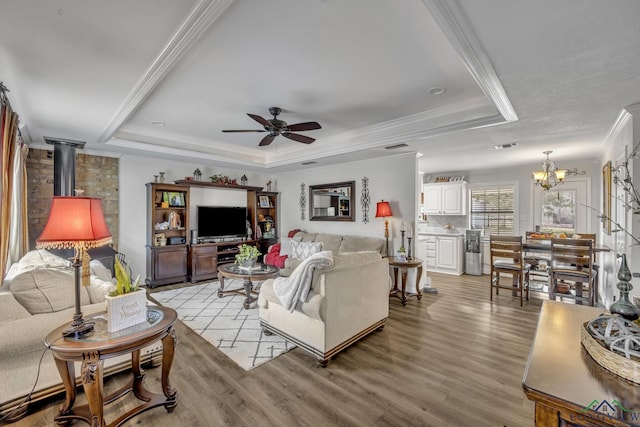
(624, 307)
(126, 310)
(248, 264)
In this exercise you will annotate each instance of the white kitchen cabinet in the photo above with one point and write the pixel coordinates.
(446, 198)
(445, 253)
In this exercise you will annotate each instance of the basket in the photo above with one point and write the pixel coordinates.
(628, 369)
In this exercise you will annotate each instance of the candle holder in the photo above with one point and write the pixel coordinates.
(402, 245)
(409, 256)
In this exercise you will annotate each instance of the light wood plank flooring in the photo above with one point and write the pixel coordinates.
(452, 359)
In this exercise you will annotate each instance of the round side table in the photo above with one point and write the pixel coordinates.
(400, 268)
(93, 348)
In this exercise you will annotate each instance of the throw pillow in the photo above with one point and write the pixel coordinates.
(303, 250)
(101, 282)
(285, 246)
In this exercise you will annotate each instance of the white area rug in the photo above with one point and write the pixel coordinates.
(224, 322)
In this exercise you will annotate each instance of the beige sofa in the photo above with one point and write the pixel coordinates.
(37, 296)
(335, 243)
(346, 303)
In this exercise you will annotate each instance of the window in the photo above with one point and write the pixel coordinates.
(559, 211)
(492, 210)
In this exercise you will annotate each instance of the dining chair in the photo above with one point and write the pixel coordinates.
(507, 258)
(539, 266)
(572, 265)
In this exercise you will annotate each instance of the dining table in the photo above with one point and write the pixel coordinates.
(544, 246)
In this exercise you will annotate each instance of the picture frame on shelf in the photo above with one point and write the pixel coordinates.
(176, 199)
(264, 201)
(159, 239)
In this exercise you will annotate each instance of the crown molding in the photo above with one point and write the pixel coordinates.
(456, 27)
(618, 125)
(178, 153)
(201, 17)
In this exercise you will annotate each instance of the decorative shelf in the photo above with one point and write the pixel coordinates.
(217, 185)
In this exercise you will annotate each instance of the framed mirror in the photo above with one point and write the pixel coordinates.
(332, 202)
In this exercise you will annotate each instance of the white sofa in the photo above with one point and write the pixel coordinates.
(346, 303)
(37, 296)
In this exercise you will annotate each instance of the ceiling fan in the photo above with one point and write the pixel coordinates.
(277, 127)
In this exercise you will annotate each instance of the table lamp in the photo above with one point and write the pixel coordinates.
(78, 223)
(383, 210)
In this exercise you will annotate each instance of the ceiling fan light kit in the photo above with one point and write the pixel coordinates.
(277, 127)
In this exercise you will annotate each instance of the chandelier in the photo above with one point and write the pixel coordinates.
(550, 175)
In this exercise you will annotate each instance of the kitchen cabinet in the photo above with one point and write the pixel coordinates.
(446, 198)
(444, 254)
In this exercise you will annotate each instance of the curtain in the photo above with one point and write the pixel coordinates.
(13, 180)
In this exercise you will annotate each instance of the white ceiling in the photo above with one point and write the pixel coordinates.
(548, 74)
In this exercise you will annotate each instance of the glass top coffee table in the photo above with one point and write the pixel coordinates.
(259, 272)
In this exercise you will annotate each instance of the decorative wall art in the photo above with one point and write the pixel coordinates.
(606, 198)
(303, 201)
(365, 200)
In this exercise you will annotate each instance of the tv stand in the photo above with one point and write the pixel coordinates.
(206, 257)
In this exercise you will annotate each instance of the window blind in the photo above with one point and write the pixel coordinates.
(492, 210)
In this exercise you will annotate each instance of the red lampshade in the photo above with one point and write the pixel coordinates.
(75, 222)
(383, 209)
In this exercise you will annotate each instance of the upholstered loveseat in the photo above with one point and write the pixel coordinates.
(36, 296)
(280, 254)
(346, 303)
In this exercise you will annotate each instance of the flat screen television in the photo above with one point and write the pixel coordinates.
(221, 221)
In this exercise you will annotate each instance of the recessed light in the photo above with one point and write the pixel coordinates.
(158, 123)
(502, 146)
(437, 91)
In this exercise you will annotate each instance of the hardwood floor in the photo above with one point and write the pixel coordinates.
(452, 359)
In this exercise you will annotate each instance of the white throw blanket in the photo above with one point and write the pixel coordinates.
(296, 287)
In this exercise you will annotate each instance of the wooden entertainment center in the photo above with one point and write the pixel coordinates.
(173, 258)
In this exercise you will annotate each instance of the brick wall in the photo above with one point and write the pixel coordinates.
(97, 175)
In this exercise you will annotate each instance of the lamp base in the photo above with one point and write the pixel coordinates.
(78, 329)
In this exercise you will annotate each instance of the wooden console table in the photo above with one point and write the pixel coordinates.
(568, 387)
(93, 348)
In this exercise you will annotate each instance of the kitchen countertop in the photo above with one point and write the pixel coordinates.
(439, 231)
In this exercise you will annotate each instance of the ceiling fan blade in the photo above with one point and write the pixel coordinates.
(264, 122)
(235, 130)
(304, 126)
(299, 138)
(267, 140)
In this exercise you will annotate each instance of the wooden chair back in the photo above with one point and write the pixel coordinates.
(576, 254)
(572, 262)
(592, 237)
(506, 247)
(507, 258)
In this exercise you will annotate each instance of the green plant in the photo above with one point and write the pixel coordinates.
(247, 252)
(123, 280)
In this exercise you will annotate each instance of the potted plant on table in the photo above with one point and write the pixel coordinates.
(247, 256)
(126, 303)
